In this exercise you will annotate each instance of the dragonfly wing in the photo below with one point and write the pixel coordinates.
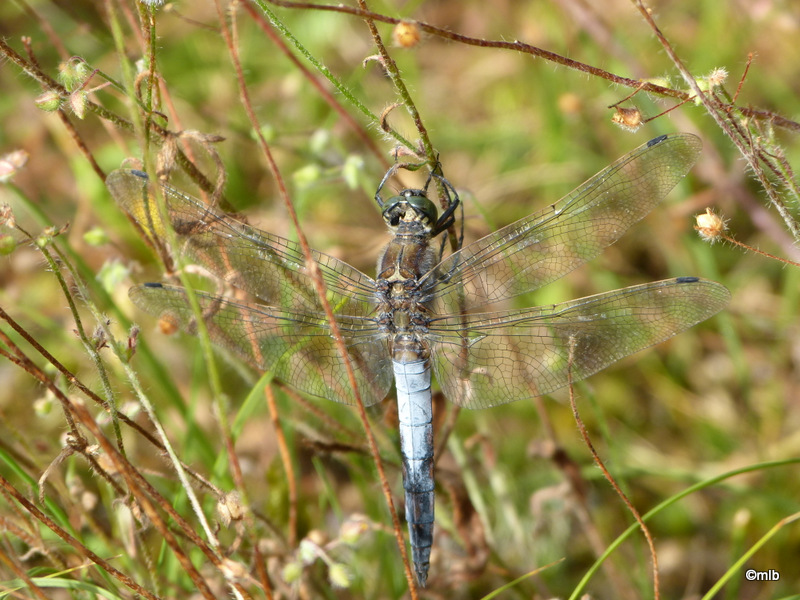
(297, 347)
(267, 266)
(547, 245)
(483, 360)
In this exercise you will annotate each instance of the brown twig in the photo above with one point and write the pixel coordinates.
(286, 459)
(599, 462)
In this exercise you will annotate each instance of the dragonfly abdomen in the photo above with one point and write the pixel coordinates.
(415, 415)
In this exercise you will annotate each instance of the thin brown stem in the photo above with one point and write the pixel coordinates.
(286, 459)
(599, 462)
(517, 46)
(736, 242)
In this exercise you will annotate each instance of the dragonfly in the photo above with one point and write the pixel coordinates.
(424, 313)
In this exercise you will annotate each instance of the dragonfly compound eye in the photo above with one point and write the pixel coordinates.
(423, 207)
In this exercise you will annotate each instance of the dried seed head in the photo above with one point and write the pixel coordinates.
(11, 163)
(133, 340)
(7, 216)
(229, 508)
(385, 115)
(710, 226)
(627, 118)
(717, 77)
(406, 34)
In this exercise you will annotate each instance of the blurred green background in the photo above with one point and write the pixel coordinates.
(514, 133)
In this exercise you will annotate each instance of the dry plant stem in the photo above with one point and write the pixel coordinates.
(319, 284)
(743, 77)
(286, 459)
(142, 491)
(399, 84)
(518, 46)
(123, 466)
(324, 93)
(144, 401)
(261, 570)
(74, 543)
(84, 149)
(87, 344)
(720, 113)
(29, 584)
(78, 384)
(147, 20)
(599, 462)
(571, 471)
(736, 242)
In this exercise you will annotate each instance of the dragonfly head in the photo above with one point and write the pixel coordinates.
(410, 210)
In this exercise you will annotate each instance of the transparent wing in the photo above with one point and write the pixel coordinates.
(267, 266)
(296, 347)
(545, 246)
(483, 360)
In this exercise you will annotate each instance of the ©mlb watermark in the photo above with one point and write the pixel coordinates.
(753, 575)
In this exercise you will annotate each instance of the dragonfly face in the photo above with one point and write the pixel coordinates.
(417, 316)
